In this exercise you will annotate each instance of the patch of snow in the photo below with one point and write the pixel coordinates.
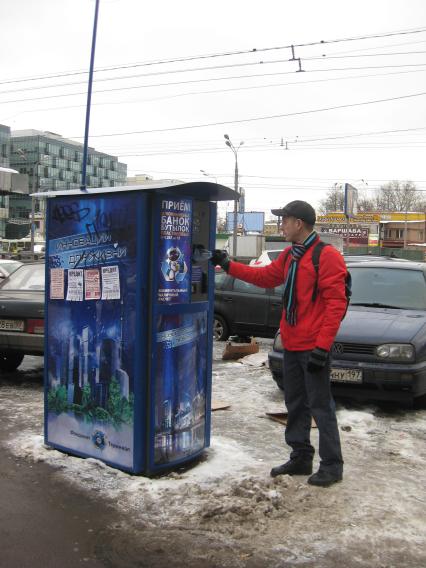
(255, 360)
(375, 517)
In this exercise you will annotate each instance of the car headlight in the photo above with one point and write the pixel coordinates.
(278, 346)
(402, 351)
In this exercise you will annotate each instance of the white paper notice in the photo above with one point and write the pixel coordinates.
(110, 283)
(57, 284)
(92, 284)
(75, 285)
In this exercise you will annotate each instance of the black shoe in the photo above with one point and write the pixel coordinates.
(293, 467)
(323, 478)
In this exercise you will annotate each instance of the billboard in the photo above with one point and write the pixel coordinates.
(351, 200)
(252, 221)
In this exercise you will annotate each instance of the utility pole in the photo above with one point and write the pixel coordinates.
(235, 151)
(89, 98)
(405, 228)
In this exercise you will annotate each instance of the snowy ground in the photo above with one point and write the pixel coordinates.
(375, 517)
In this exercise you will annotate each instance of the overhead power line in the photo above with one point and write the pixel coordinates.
(228, 90)
(374, 133)
(258, 118)
(168, 84)
(195, 146)
(324, 57)
(292, 178)
(210, 68)
(216, 55)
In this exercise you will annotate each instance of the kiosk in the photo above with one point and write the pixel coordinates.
(129, 318)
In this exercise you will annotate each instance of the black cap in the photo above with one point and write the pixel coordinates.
(299, 209)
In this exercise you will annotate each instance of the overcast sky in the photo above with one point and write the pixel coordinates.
(53, 37)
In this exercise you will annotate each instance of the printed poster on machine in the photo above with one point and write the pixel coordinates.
(91, 331)
(175, 251)
(180, 386)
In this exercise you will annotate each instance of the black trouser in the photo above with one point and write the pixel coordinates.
(308, 395)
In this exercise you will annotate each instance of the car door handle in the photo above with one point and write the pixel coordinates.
(279, 304)
(228, 299)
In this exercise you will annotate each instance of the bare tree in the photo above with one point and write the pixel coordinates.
(392, 196)
(334, 201)
(399, 196)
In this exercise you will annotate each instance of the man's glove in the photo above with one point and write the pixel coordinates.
(220, 258)
(317, 360)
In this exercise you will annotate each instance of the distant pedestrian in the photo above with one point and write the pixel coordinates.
(309, 324)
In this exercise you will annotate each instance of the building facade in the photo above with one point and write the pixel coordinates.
(55, 163)
(390, 229)
(4, 146)
(15, 203)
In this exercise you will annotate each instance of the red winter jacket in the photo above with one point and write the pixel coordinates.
(317, 322)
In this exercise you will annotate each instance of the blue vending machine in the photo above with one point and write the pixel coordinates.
(129, 321)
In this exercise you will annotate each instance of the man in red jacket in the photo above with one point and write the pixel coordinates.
(308, 328)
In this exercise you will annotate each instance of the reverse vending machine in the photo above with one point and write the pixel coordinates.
(129, 318)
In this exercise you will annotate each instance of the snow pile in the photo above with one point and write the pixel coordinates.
(252, 499)
(227, 491)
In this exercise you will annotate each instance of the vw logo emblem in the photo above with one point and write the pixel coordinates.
(338, 348)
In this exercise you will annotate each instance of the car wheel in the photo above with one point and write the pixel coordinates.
(220, 328)
(10, 360)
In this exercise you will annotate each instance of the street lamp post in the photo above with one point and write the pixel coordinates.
(235, 151)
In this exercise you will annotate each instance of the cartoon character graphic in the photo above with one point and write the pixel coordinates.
(174, 267)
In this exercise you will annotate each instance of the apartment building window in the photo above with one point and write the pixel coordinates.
(399, 233)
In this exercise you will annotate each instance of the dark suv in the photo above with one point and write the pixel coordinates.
(244, 309)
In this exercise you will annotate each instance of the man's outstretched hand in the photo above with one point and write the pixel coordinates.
(220, 258)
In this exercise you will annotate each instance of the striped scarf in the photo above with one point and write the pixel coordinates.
(289, 296)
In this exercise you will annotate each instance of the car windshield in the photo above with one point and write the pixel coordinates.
(391, 287)
(10, 267)
(27, 277)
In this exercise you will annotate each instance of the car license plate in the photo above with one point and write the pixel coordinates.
(346, 375)
(11, 325)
